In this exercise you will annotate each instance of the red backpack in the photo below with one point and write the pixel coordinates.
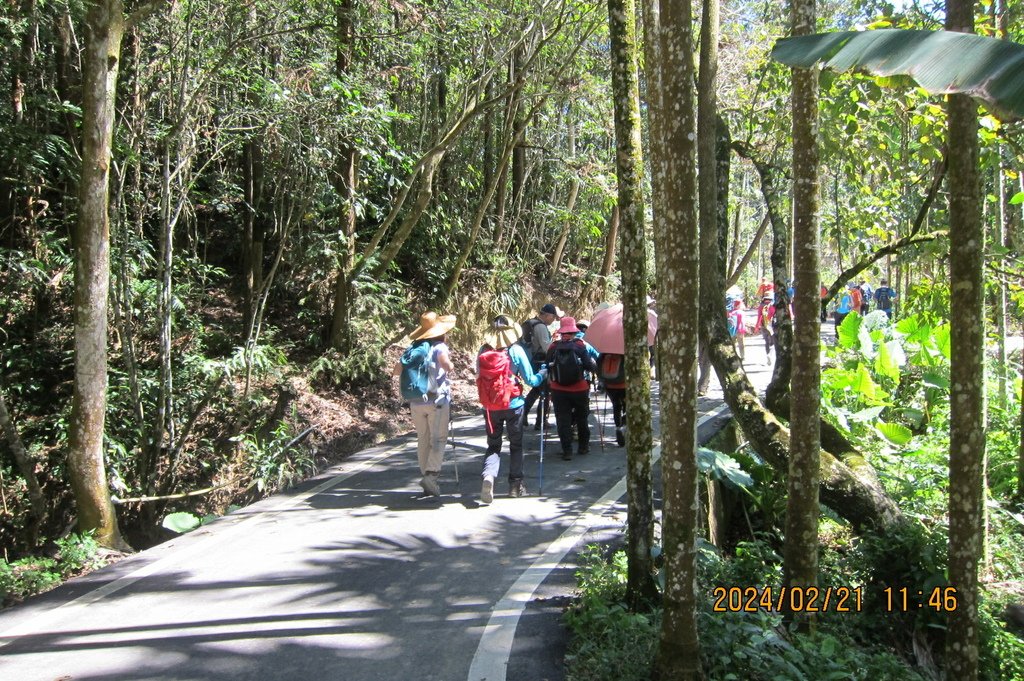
(611, 368)
(495, 384)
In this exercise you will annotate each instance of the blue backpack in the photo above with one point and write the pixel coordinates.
(732, 322)
(415, 379)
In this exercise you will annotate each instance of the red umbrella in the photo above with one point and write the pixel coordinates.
(605, 330)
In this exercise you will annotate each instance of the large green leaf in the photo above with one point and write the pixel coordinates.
(721, 466)
(181, 522)
(943, 341)
(866, 388)
(849, 331)
(941, 62)
(885, 365)
(896, 433)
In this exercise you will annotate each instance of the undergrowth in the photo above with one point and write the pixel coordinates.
(37, 574)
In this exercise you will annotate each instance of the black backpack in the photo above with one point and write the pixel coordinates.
(566, 365)
(883, 298)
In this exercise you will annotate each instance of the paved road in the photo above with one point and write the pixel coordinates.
(354, 576)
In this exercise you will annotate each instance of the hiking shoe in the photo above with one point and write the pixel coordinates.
(620, 437)
(430, 486)
(517, 489)
(566, 456)
(583, 452)
(487, 490)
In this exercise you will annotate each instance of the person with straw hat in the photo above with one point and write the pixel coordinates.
(502, 366)
(423, 379)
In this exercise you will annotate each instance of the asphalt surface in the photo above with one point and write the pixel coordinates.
(353, 576)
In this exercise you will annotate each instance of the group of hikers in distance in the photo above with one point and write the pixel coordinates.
(518, 365)
(856, 297)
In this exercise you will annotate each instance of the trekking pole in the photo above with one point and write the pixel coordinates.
(600, 429)
(543, 425)
(451, 437)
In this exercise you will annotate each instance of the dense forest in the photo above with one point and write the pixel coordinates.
(219, 219)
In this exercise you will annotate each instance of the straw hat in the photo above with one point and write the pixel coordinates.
(432, 326)
(568, 326)
(503, 335)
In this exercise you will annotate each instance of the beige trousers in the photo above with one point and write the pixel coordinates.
(431, 423)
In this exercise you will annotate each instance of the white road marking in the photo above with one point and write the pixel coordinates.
(492, 654)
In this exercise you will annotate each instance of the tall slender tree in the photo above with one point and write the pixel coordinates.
(104, 29)
(800, 554)
(678, 277)
(967, 369)
(633, 266)
(707, 179)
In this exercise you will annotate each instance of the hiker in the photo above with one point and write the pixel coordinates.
(845, 307)
(535, 340)
(502, 366)
(611, 371)
(567, 361)
(856, 297)
(824, 303)
(734, 322)
(765, 315)
(884, 295)
(423, 381)
(765, 288)
(866, 293)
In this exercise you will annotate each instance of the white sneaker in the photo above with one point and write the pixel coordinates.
(487, 490)
(430, 486)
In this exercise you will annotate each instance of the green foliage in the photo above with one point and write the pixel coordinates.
(721, 466)
(1001, 651)
(35, 575)
(887, 379)
(271, 463)
(609, 642)
(352, 369)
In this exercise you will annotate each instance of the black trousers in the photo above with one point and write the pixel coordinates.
(617, 396)
(572, 409)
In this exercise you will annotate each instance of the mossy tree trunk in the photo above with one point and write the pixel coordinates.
(707, 178)
(346, 175)
(677, 256)
(629, 167)
(104, 28)
(800, 552)
(967, 370)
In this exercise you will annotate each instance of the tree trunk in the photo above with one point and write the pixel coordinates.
(515, 137)
(800, 551)
(104, 28)
(574, 191)
(707, 178)
(1020, 444)
(346, 174)
(967, 370)
(751, 249)
(640, 588)
(37, 502)
(782, 324)
(673, 113)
